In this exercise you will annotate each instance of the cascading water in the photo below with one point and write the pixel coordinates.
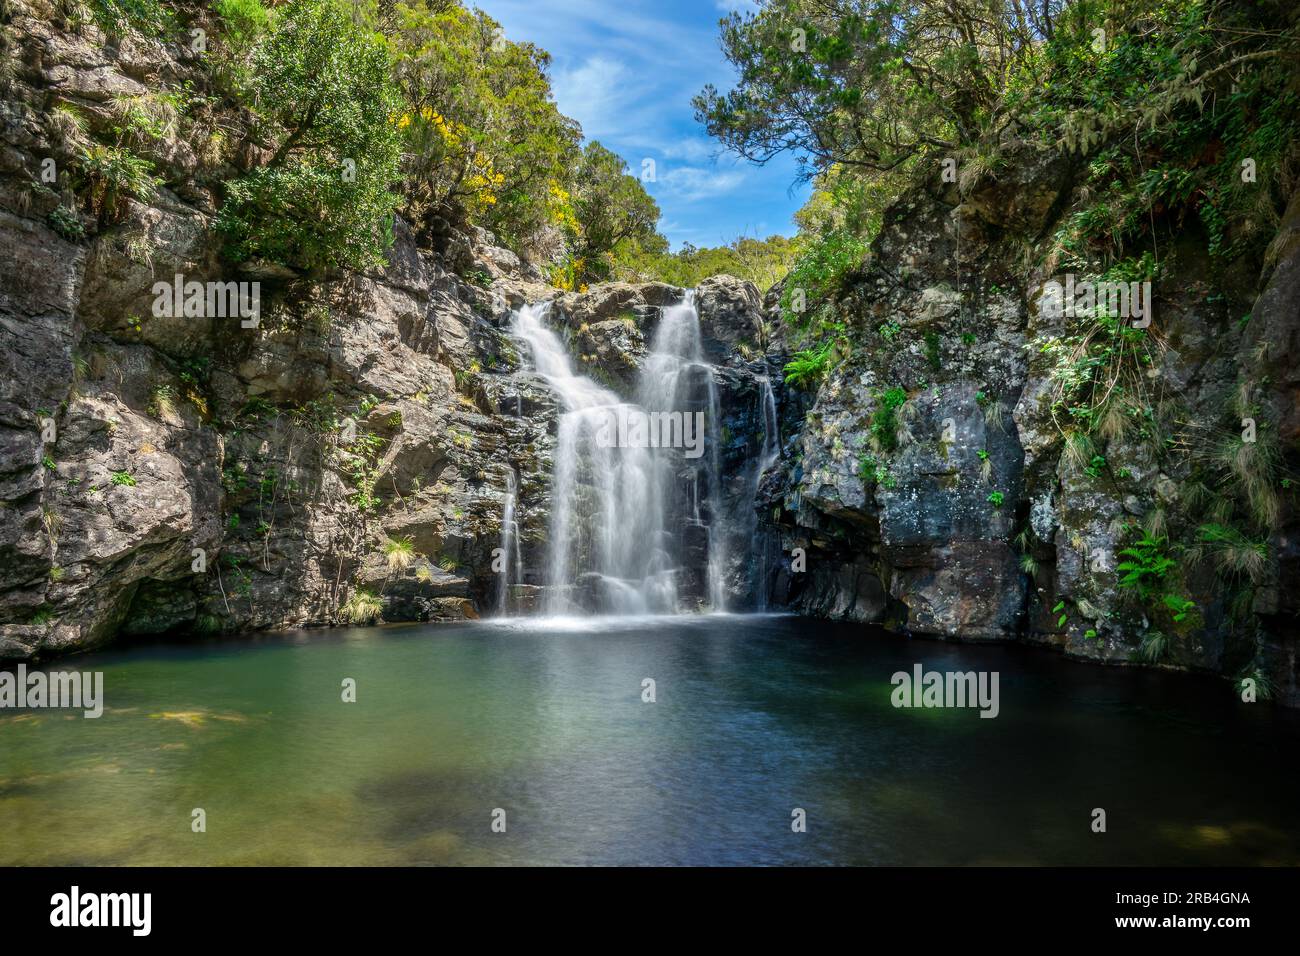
(768, 456)
(628, 520)
(771, 428)
(675, 378)
(512, 566)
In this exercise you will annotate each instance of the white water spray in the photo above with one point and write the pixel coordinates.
(511, 551)
(623, 519)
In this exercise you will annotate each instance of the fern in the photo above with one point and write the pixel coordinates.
(809, 366)
(1146, 567)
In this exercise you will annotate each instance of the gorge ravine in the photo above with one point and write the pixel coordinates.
(172, 475)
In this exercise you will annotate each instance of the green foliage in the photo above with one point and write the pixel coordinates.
(123, 478)
(1167, 111)
(1256, 672)
(399, 552)
(878, 83)
(818, 275)
(1155, 646)
(933, 353)
(162, 402)
(66, 223)
(483, 140)
(1178, 606)
(1170, 111)
(808, 367)
(1235, 555)
(1100, 368)
(763, 262)
(845, 201)
(611, 210)
(996, 498)
(361, 608)
(883, 427)
(109, 175)
(1148, 573)
(144, 120)
(244, 22)
(115, 17)
(875, 472)
(1147, 566)
(326, 106)
(361, 459)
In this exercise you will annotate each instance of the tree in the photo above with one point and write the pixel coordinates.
(325, 109)
(612, 210)
(870, 83)
(762, 261)
(483, 139)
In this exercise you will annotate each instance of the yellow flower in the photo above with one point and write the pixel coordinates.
(405, 121)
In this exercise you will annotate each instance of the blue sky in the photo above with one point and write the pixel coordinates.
(626, 70)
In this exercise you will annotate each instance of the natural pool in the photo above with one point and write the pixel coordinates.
(755, 716)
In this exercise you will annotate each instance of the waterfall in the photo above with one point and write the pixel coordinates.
(672, 378)
(628, 517)
(512, 562)
(771, 451)
(771, 429)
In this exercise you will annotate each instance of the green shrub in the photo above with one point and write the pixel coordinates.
(115, 17)
(400, 552)
(361, 608)
(884, 420)
(244, 21)
(483, 139)
(1146, 567)
(873, 472)
(111, 174)
(808, 367)
(819, 273)
(322, 94)
(66, 223)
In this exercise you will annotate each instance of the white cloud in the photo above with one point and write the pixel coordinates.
(691, 149)
(627, 70)
(694, 183)
(596, 93)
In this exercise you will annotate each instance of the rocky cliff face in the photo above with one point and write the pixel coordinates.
(931, 486)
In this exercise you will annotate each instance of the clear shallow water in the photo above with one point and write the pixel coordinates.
(755, 716)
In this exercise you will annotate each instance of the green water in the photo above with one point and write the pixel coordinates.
(754, 716)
